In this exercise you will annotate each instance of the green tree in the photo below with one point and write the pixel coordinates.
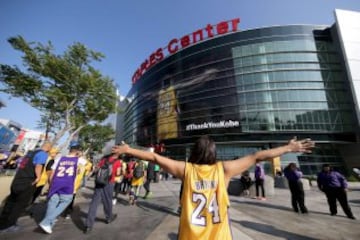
(94, 137)
(66, 88)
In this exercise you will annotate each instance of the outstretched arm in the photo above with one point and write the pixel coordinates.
(176, 168)
(236, 167)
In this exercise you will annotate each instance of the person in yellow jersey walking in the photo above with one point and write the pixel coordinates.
(45, 175)
(88, 171)
(205, 200)
(137, 181)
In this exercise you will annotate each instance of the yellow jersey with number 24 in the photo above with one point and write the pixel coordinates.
(204, 204)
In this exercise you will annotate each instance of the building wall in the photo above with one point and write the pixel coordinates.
(348, 27)
(351, 153)
(122, 105)
(9, 130)
(7, 137)
(249, 90)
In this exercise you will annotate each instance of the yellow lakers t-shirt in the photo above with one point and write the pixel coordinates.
(44, 175)
(204, 204)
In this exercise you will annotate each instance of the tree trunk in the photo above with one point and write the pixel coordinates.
(70, 137)
(86, 151)
(59, 135)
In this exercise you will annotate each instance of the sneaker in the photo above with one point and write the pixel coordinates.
(147, 195)
(304, 211)
(87, 230)
(108, 221)
(67, 216)
(46, 229)
(114, 201)
(263, 199)
(131, 200)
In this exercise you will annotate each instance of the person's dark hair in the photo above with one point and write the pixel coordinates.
(326, 165)
(75, 148)
(204, 151)
(292, 165)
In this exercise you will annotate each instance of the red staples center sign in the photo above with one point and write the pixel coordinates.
(176, 44)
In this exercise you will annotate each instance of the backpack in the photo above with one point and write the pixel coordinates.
(103, 175)
(139, 170)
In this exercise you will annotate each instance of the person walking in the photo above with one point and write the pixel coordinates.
(118, 180)
(150, 175)
(125, 182)
(104, 192)
(129, 169)
(293, 175)
(205, 200)
(61, 191)
(23, 187)
(81, 168)
(246, 182)
(137, 181)
(157, 173)
(259, 181)
(45, 175)
(334, 185)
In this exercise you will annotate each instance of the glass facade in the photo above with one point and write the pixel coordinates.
(291, 85)
(249, 90)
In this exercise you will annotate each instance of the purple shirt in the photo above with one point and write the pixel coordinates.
(259, 172)
(331, 179)
(293, 175)
(64, 176)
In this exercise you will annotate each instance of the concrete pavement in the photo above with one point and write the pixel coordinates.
(156, 218)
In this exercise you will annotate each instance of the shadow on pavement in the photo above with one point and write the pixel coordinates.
(37, 211)
(156, 207)
(172, 236)
(77, 217)
(90, 188)
(264, 204)
(267, 205)
(86, 195)
(355, 201)
(268, 229)
(122, 201)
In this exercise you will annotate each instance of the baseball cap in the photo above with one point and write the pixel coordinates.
(75, 145)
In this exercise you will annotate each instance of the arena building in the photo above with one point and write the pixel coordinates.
(253, 89)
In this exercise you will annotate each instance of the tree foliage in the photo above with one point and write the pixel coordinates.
(94, 137)
(66, 88)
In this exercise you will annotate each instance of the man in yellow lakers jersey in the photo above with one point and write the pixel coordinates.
(204, 200)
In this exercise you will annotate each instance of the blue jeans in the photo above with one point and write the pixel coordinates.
(56, 205)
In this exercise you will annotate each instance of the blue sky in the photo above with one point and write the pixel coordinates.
(127, 31)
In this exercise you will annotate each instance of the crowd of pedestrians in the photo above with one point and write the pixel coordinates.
(127, 170)
(23, 187)
(332, 183)
(45, 172)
